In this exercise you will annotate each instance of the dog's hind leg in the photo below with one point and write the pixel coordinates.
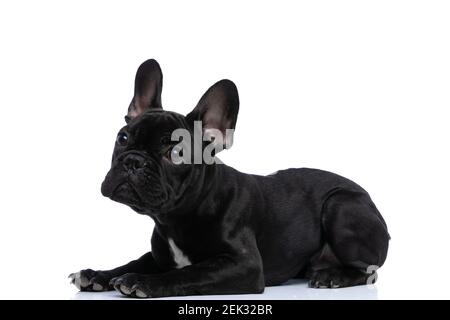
(356, 242)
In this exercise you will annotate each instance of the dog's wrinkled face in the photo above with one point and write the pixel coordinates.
(143, 174)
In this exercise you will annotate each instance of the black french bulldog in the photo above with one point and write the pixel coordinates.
(220, 231)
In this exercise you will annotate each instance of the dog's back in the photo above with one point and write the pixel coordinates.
(291, 228)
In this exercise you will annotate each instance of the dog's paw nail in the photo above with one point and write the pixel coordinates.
(77, 284)
(75, 280)
(140, 294)
(116, 284)
(84, 282)
(333, 285)
(125, 290)
(97, 287)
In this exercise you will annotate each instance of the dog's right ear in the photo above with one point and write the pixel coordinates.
(147, 89)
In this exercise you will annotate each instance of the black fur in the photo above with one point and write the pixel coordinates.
(241, 232)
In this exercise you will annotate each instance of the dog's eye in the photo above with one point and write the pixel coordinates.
(122, 139)
(165, 140)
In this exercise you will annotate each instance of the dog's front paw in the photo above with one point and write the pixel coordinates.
(133, 285)
(337, 278)
(90, 280)
(325, 279)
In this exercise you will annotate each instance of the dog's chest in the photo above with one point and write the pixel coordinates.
(179, 257)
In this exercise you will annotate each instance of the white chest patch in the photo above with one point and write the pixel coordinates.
(179, 257)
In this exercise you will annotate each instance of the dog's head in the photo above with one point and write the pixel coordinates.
(143, 172)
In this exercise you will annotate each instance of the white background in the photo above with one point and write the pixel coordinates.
(360, 88)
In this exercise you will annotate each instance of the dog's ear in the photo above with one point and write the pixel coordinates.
(147, 89)
(218, 110)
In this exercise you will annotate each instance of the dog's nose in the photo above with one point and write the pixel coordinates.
(133, 162)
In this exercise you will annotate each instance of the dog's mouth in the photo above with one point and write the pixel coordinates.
(142, 193)
(125, 188)
(123, 192)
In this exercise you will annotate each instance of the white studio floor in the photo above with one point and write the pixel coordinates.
(292, 290)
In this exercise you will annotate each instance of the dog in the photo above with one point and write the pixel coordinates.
(220, 231)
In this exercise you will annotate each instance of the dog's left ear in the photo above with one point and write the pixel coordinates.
(218, 110)
(147, 89)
